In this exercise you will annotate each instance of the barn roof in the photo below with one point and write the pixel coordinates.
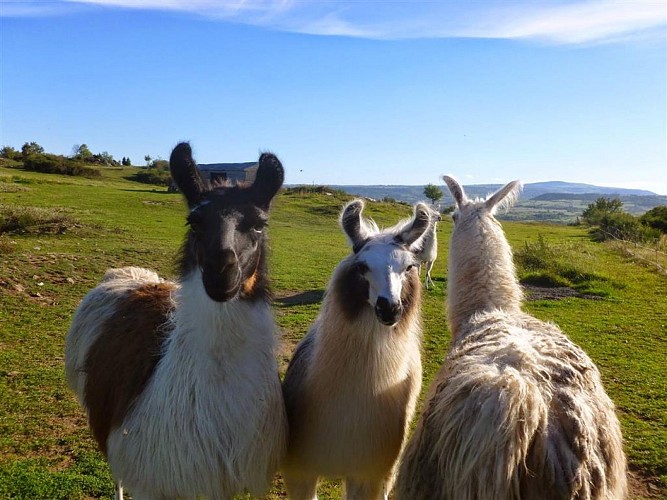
(226, 167)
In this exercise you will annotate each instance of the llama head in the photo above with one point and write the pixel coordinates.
(469, 210)
(227, 226)
(384, 263)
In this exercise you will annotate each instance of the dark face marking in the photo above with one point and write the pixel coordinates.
(227, 236)
(226, 242)
(352, 289)
(122, 360)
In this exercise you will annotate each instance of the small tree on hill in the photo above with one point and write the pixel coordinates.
(81, 152)
(433, 193)
(9, 153)
(31, 148)
(602, 207)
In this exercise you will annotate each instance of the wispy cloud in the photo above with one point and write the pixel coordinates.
(549, 21)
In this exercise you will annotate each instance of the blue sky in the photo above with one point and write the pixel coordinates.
(363, 92)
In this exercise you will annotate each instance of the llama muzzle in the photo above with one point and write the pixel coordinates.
(387, 312)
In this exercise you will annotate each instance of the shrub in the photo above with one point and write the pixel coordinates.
(33, 220)
(656, 218)
(54, 164)
(601, 208)
(623, 226)
(9, 153)
(545, 279)
(543, 264)
(305, 190)
(153, 176)
(536, 256)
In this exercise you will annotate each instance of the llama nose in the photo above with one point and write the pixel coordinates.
(386, 311)
(227, 261)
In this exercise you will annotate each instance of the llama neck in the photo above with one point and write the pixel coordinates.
(351, 336)
(481, 275)
(203, 326)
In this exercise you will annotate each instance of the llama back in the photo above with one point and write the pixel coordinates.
(97, 308)
(516, 412)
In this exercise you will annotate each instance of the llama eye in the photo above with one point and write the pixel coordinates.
(194, 220)
(409, 268)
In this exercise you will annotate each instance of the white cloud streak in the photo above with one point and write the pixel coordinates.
(547, 21)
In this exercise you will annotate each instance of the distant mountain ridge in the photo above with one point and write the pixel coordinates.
(554, 201)
(412, 194)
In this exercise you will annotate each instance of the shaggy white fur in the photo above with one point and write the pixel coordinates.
(351, 387)
(429, 249)
(517, 411)
(196, 404)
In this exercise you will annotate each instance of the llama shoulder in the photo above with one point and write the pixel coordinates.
(497, 342)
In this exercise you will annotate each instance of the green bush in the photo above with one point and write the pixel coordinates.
(656, 218)
(538, 256)
(304, 190)
(543, 264)
(54, 164)
(545, 279)
(623, 226)
(153, 176)
(33, 220)
(601, 208)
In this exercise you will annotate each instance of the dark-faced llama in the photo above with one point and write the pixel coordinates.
(179, 379)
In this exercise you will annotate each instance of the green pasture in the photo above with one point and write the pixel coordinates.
(84, 226)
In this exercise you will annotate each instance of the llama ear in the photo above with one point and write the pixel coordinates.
(353, 225)
(421, 221)
(505, 197)
(269, 179)
(456, 189)
(185, 174)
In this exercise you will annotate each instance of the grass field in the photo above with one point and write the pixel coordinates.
(77, 228)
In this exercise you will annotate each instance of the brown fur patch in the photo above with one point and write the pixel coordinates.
(351, 291)
(410, 297)
(124, 356)
(249, 284)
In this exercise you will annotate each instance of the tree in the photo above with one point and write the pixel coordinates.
(81, 152)
(433, 193)
(600, 208)
(148, 159)
(656, 218)
(126, 162)
(31, 148)
(9, 153)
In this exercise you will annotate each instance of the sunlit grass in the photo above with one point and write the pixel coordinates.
(45, 446)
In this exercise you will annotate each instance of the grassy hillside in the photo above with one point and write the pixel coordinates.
(75, 228)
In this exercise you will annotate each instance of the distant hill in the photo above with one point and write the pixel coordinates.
(554, 201)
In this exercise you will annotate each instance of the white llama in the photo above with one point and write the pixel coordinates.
(179, 380)
(429, 249)
(352, 384)
(517, 411)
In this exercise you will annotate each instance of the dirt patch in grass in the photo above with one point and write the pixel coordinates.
(640, 486)
(534, 293)
(291, 298)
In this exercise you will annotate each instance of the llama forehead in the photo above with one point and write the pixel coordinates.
(381, 256)
(218, 205)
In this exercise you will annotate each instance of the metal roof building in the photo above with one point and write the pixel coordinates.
(229, 171)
